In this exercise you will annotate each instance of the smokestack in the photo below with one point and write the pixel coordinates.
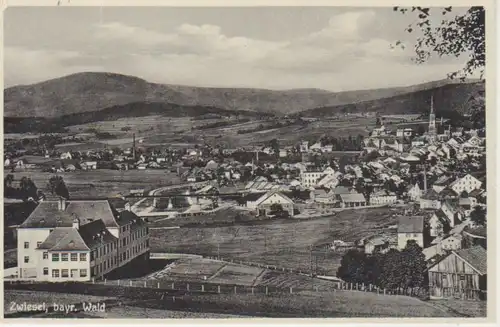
(133, 145)
(425, 180)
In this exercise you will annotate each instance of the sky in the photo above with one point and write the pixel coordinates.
(331, 48)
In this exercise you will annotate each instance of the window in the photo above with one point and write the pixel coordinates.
(55, 273)
(55, 257)
(26, 259)
(45, 255)
(64, 257)
(83, 256)
(74, 256)
(26, 245)
(74, 272)
(83, 272)
(64, 273)
(38, 244)
(45, 271)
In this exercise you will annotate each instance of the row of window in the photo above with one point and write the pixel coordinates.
(66, 256)
(66, 273)
(102, 251)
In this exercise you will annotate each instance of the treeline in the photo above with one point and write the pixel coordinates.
(221, 124)
(272, 125)
(137, 109)
(393, 270)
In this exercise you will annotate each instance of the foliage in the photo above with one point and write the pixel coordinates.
(57, 186)
(462, 34)
(478, 216)
(395, 269)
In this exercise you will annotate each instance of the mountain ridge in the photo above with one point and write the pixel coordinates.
(93, 91)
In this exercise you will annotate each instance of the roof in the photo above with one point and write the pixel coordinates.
(341, 190)
(47, 214)
(353, 197)
(413, 224)
(475, 257)
(271, 193)
(95, 234)
(431, 194)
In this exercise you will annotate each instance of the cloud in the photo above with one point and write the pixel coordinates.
(352, 51)
(24, 66)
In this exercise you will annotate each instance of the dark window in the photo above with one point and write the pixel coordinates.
(26, 245)
(45, 271)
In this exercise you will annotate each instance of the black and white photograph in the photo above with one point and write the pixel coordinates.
(215, 162)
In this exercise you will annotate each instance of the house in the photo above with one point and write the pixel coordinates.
(415, 192)
(430, 200)
(461, 274)
(321, 196)
(453, 212)
(63, 241)
(378, 244)
(383, 198)
(351, 200)
(439, 224)
(142, 166)
(410, 228)
(311, 177)
(283, 153)
(467, 183)
(89, 165)
(451, 243)
(266, 203)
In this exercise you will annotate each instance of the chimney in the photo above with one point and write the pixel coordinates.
(61, 204)
(133, 145)
(76, 222)
(425, 180)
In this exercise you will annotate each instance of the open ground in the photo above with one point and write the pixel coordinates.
(284, 243)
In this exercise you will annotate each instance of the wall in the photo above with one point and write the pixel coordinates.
(64, 265)
(403, 238)
(31, 235)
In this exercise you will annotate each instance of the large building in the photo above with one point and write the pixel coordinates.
(78, 241)
(410, 228)
(310, 178)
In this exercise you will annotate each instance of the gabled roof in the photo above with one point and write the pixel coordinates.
(47, 214)
(413, 224)
(271, 193)
(475, 257)
(430, 195)
(95, 234)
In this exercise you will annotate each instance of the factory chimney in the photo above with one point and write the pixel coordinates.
(133, 146)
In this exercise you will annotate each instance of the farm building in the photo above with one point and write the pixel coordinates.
(266, 202)
(352, 200)
(461, 274)
(410, 228)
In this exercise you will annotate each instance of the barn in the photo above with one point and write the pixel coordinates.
(461, 275)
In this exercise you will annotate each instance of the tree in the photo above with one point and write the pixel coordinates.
(27, 188)
(7, 181)
(478, 216)
(462, 34)
(274, 144)
(413, 266)
(57, 186)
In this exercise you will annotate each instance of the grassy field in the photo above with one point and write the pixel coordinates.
(103, 182)
(281, 243)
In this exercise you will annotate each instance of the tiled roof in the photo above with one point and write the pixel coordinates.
(95, 234)
(414, 224)
(72, 241)
(476, 257)
(47, 214)
(55, 237)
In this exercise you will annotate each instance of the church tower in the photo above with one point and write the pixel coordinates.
(432, 121)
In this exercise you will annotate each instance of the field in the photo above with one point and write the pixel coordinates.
(281, 243)
(300, 304)
(103, 182)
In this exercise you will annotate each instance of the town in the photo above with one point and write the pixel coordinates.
(433, 184)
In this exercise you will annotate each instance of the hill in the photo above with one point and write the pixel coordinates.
(462, 98)
(89, 92)
(134, 109)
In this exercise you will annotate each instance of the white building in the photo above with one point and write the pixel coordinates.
(64, 241)
(410, 228)
(467, 183)
(383, 198)
(310, 178)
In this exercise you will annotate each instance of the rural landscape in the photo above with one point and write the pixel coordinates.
(129, 195)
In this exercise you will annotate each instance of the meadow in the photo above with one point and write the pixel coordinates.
(281, 243)
(103, 182)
